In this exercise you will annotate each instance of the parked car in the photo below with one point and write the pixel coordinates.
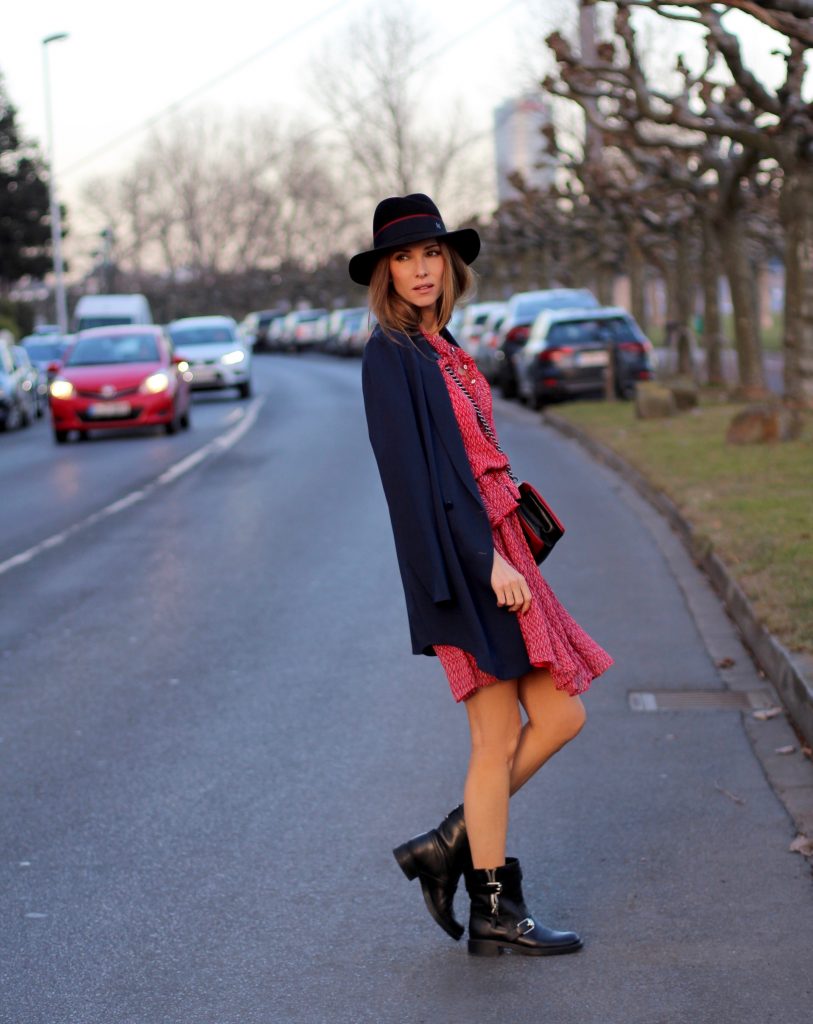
(124, 376)
(276, 333)
(110, 311)
(337, 335)
(33, 380)
(456, 322)
(309, 330)
(297, 328)
(486, 348)
(472, 324)
(317, 332)
(45, 349)
(18, 394)
(355, 331)
(217, 358)
(521, 311)
(255, 329)
(568, 352)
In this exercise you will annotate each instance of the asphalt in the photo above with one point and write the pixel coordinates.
(212, 733)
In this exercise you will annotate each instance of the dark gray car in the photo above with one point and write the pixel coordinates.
(523, 308)
(18, 391)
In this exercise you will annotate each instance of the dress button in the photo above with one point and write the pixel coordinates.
(448, 504)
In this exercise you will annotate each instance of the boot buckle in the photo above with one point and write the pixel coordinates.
(496, 889)
(525, 926)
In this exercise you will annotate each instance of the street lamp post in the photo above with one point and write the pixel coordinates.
(56, 218)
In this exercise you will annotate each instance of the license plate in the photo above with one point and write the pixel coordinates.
(591, 359)
(109, 410)
(204, 374)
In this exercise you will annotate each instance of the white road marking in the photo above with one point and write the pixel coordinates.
(218, 444)
(234, 416)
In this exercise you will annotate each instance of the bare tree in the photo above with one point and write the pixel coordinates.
(391, 136)
(761, 125)
(713, 127)
(210, 195)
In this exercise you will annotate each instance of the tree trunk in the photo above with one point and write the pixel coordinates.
(677, 335)
(605, 278)
(712, 335)
(684, 300)
(543, 262)
(635, 269)
(797, 217)
(747, 338)
(527, 266)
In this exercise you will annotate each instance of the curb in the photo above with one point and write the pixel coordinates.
(791, 675)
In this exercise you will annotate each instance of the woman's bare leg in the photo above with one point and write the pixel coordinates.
(495, 723)
(554, 718)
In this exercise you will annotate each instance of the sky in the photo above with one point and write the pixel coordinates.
(125, 66)
(117, 71)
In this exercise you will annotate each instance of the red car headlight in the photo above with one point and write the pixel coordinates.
(155, 383)
(60, 388)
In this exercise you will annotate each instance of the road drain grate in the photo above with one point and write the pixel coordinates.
(699, 700)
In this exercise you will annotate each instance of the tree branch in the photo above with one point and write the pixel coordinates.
(790, 17)
(678, 111)
(728, 45)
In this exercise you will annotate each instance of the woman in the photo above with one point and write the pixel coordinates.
(474, 595)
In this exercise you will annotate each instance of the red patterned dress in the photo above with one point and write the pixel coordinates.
(553, 639)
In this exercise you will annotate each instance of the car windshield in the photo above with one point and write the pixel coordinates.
(112, 349)
(103, 321)
(43, 351)
(528, 309)
(590, 332)
(220, 335)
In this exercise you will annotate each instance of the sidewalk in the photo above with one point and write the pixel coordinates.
(658, 832)
(791, 674)
(790, 774)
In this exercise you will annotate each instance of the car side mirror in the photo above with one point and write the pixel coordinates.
(54, 367)
(177, 360)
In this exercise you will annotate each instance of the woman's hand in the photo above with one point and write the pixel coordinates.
(509, 586)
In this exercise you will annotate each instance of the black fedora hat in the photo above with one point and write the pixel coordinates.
(402, 220)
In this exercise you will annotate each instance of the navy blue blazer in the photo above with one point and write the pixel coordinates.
(442, 535)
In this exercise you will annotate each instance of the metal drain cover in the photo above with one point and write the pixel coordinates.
(699, 700)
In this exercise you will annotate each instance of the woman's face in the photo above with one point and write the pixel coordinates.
(417, 273)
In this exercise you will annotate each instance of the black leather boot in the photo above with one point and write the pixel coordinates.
(500, 920)
(438, 858)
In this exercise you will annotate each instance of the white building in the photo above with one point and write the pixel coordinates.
(520, 145)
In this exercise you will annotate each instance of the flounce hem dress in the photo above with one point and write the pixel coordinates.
(553, 639)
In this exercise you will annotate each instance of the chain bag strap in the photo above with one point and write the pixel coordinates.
(486, 426)
(540, 524)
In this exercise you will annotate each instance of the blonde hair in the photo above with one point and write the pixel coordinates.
(396, 314)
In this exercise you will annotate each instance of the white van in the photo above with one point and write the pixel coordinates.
(110, 311)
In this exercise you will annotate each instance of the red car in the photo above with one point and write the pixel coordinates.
(119, 377)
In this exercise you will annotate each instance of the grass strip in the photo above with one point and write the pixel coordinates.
(753, 503)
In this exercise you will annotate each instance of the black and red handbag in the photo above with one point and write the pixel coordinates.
(540, 524)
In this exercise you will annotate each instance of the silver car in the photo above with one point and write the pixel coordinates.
(474, 320)
(18, 391)
(217, 357)
(299, 329)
